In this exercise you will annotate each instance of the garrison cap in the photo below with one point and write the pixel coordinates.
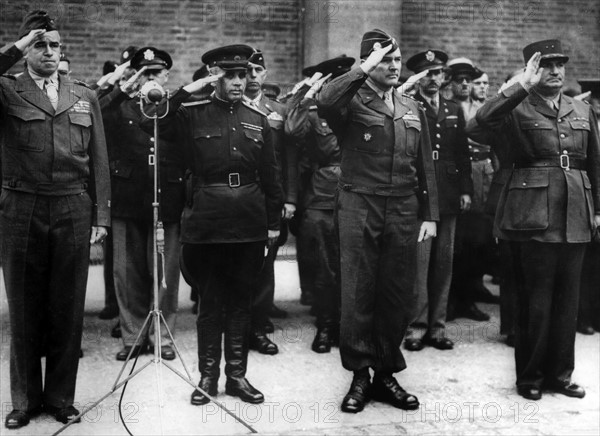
(257, 58)
(271, 90)
(152, 58)
(128, 53)
(427, 60)
(37, 19)
(549, 48)
(336, 66)
(375, 39)
(592, 85)
(462, 66)
(229, 58)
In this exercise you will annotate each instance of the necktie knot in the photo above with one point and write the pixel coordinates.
(51, 92)
(387, 98)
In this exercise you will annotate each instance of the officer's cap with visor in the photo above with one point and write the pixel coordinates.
(229, 58)
(152, 58)
(459, 66)
(549, 48)
(427, 60)
(336, 67)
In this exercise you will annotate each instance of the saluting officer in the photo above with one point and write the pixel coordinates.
(317, 224)
(547, 210)
(233, 206)
(455, 187)
(387, 187)
(133, 194)
(55, 188)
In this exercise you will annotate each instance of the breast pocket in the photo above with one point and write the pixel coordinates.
(526, 206)
(412, 126)
(539, 131)
(254, 139)
(25, 128)
(580, 130)
(207, 142)
(369, 133)
(80, 129)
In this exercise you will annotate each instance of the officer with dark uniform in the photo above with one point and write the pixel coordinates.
(132, 177)
(54, 202)
(263, 304)
(233, 207)
(322, 150)
(387, 202)
(548, 210)
(455, 187)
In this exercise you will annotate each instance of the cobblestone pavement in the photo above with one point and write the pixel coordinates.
(468, 390)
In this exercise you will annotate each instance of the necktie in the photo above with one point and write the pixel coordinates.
(387, 98)
(434, 106)
(51, 92)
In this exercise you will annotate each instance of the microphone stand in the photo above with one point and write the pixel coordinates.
(155, 316)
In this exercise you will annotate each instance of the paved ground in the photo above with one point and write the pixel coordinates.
(469, 390)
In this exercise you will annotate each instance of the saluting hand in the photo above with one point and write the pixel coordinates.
(116, 75)
(201, 83)
(314, 89)
(130, 87)
(375, 58)
(533, 72)
(411, 82)
(22, 43)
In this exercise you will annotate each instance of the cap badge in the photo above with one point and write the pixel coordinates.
(125, 54)
(367, 137)
(237, 58)
(149, 55)
(377, 46)
(430, 56)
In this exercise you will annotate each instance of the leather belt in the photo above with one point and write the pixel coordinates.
(381, 190)
(51, 189)
(233, 180)
(562, 161)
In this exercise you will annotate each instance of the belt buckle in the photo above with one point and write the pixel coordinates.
(435, 155)
(234, 180)
(564, 161)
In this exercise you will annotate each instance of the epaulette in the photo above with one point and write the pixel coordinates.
(410, 96)
(81, 83)
(249, 106)
(195, 103)
(9, 76)
(313, 107)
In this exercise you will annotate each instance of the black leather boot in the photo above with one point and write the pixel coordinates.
(237, 328)
(209, 330)
(358, 394)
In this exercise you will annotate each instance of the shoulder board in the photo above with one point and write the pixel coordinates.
(249, 106)
(195, 103)
(313, 108)
(81, 83)
(9, 76)
(409, 96)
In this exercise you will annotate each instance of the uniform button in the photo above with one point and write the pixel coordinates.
(231, 112)
(524, 184)
(152, 139)
(234, 149)
(565, 152)
(560, 120)
(437, 125)
(536, 124)
(437, 135)
(437, 145)
(151, 149)
(471, 158)
(233, 129)
(562, 135)
(445, 110)
(208, 136)
(130, 122)
(255, 140)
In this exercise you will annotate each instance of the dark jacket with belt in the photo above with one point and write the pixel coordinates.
(132, 178)
(450, 151)
(553, 192)
(233, 186)
(51, 151)
(383, 153)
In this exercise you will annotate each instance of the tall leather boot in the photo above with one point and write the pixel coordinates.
(237, 327)
(209, 357)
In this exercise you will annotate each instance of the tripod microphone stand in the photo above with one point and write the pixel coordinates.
(154, 93)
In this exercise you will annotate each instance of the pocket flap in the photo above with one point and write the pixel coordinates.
(536, 124)
(527, 178)
(254, 136)
(368, 119)
(118, 169)
(84, 120)
(26, 113)
(579, 125)
(451, 170)
(412, 124)
(207, 132)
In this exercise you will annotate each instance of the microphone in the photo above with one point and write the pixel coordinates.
(152, 92)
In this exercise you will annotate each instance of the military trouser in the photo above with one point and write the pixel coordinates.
(45, 260)
(378, 239)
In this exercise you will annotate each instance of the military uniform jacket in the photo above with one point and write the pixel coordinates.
(543, 201)
(233, 188)
(52, 152)
(450, 153)
(383, 153)
(132, 177)
(321, 148)
(285, 151)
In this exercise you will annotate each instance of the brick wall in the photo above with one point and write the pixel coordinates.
(297, 32)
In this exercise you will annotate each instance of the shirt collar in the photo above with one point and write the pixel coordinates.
(429, 100)
(553, 103)
(39, 80)
(378, 90)
(254, 101)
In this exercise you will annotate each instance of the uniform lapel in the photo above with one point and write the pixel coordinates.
(372, 100)
(566, 106)
(442, 111)
(68, 95)
(28, 90)
(541, 106)
(429, 112)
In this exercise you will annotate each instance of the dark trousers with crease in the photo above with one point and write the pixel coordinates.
(378, 239)
(548, 278)
(225, 275)
(45, 258)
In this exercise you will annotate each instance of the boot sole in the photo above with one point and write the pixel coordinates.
(245, 399)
